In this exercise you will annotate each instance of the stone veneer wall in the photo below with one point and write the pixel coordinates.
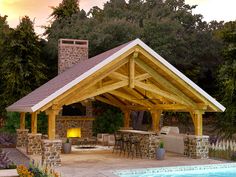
(34, 144)
(149, 144)
(22, 137)
(71, 52)
(65, 122)
(51, 152)
(196, 147)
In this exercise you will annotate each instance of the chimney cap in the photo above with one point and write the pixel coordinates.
(73, 42)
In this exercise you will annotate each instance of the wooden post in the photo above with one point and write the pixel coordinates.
(126, 118)
(34, 122)
(156, 115)
(132, 71)
(197, 121)
(22, 120)
(52, 112)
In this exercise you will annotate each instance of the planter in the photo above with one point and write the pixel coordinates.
(160, 153)
(66, 148)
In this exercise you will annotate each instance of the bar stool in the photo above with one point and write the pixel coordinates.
(135, 147)
(125, 144)
(118, 142)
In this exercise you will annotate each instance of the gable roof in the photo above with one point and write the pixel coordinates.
(71, 77)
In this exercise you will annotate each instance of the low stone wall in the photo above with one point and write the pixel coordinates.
(149, 144)
(196, 147)
(22, 137)
(34, 144)
(65, 122)
(51, 152)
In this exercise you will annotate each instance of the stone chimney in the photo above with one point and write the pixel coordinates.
(71, 52)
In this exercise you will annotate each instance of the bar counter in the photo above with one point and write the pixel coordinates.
(149, 142)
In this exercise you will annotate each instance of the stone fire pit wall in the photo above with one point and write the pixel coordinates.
(22, 137)
(196, 147)
(65, 122)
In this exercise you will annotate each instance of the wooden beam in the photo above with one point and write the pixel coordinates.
(114, 99)
(118, 76)
(138, 96)
(22, 120)
(165, 83)
(132, 70)
(90, 81)
(152, 88)
(128, 97)
(34, 122)
(52, 113)
(142, 77)
(178, 79)
(97, 92)
(156, 115)
(105, 100)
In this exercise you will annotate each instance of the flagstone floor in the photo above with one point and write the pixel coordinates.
(97, 162)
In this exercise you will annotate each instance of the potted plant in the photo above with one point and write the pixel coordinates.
(160, 152)
(67, 146)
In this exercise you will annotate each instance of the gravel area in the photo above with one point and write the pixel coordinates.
(17, 157)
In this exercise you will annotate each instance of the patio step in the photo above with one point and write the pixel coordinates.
(8, 173)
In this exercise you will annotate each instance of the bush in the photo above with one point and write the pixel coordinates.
(108, 121)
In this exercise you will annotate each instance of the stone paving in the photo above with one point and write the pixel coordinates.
(96, 163)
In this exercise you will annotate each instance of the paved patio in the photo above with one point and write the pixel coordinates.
(96, 163)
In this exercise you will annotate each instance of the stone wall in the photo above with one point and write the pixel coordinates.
(71, 52)
(65, 122)
(34, 144)
(148, 143)
(51, 152)
(22, 137)
(196, 147)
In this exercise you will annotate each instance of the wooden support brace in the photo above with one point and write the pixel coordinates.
(131, 71)
(22, 120)
(34, 122)
(156, 116)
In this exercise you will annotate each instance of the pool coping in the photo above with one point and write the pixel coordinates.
(169, 169)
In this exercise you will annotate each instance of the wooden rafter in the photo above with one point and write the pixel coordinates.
(165, 83)
(105, 100)
(95, 92)
(152, 88)
(132, 69)
(114, 99)
(128, 97)
(142, 77)
(90, 81)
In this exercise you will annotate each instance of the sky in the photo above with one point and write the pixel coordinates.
(39, 10)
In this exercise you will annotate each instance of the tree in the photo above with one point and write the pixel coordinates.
(227, 82)
(65, 9)
(21, 69)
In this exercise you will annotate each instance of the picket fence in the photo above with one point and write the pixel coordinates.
(223, 149)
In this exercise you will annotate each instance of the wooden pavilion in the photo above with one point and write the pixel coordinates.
(131, 77)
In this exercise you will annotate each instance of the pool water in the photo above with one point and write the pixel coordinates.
(214, 170)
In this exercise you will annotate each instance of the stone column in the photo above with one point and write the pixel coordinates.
(51, 152)
(34, 144)
(196, 147)
(22, 137)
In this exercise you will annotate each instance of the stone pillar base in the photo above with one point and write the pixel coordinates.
(51, 152)
(34, 144)
(196, 147)
(22, 137)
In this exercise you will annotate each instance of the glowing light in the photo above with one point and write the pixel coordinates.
(74, 133)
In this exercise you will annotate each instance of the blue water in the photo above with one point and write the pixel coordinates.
(216, 170)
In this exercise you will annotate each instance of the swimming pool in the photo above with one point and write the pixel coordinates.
(216, 170)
